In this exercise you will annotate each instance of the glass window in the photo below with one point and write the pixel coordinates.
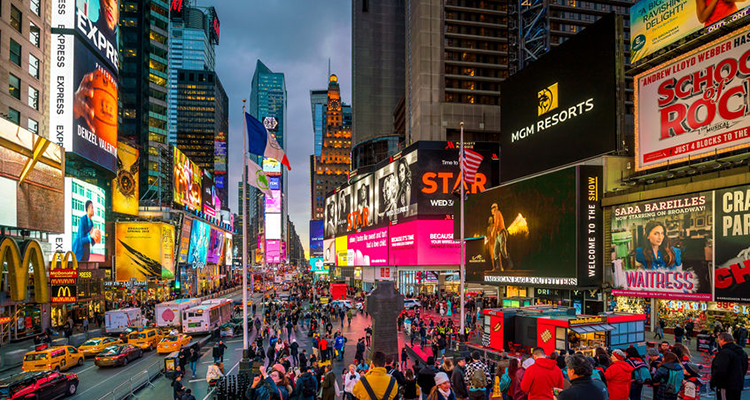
(34, 34)
(14, 86)
(15, 52)
(15, 17)
(33, 66)
(14, 116)
(33, 98)
(36, 7)
(33, 126)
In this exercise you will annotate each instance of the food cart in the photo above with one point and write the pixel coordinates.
(560, 329)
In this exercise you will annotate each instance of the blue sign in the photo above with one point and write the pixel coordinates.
(316, 238)
(199, 243)
(274, 182)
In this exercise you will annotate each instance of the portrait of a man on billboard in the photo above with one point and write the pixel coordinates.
(87, 234)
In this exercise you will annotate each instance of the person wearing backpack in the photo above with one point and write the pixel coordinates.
(376, 384)
(477, 377)
(641, 374)
(307, 386)
(542, 377)
(457, 379)
(619, 376)
(668, 378)
(728, 369)
(426, 377)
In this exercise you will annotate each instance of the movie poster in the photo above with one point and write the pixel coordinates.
(361, 215)
(187, 181)
(394, 199)
(215, 247)
(144, 250)
(344, 207)
(330, 217)
(316, 238)
(663, 248)
(125, 185)
(732, 252)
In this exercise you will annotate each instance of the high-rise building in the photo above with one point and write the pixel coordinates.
(144, 55)
(317, 110)
(254, 203)
(25, 32)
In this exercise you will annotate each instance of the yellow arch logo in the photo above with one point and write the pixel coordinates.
(18, 268)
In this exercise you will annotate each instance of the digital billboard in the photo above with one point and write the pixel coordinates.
(534, 231)
(342, 255)
(273, 202)
(273, 251)
(562, 108)
(329, 251)
(209, 200)
(228, 249)
(271, 166)
(394, 200)
(95, 21)
(316, 238)
(125, 185)
(187, 227)
(215, 247)
(84, 222)
(84, 109)
(187, 181)
(361, 214)
(330, 215)
(144, 250)
(368, 248)
(273, 226)
(657, 24)
(31, 196)
(732, 244)
(199, 238)
(424, 242)
(317, 266)
(679, 117)
(274, 182)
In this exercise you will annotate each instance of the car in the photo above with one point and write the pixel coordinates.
(93, 346)
(173, 343)
(38, 385)
(57, 358)
(147, 339)
(410, 304)
(342, 303)
(118, 355)
(359, 306)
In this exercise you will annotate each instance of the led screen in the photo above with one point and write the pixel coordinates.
(273, 226)
(199, 239)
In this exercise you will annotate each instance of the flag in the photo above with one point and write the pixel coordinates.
(262, 142)
(257, 178)
(470, 162)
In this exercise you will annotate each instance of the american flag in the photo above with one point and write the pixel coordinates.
(471, 161)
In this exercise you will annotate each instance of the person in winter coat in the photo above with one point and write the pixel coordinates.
(670, 365)
(307, 385)
(635, 361)
(728, 369)
(426, 378)
(442, 389)
(582, 387)
(692, 383)
(329, 384)
(515, 386)
(457, 379)
(619, 375)
(218, 351)
(213, 373)
(513, 367)
(540, 378)
(350, 379)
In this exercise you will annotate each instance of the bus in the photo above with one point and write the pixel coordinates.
(169, 313)
(206, 317)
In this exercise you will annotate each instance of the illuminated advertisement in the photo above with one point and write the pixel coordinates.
(199, 239)
(84, 109)
(273, 251)
(360, 215)
(679, 118)
(368, 248)
(271, 166)
(30, 198)
(187, 181)
(220, 152)
(95, 21)
(125, 185)
(274, 182)
(187, 225)
(329, 251)
(317, 266)
(273, 202)
(393, 197)
(330, 217)
(273, 226)
(144, 250)
(316, 238)
(657, 24)
(424, 242)
(228, 249)
(215, 247)
(524, 242)
(342, 256)
(84, 222)
(209, 199)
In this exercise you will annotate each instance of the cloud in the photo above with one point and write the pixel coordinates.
(297, 38)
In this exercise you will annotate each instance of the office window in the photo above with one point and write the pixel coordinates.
(33, 66)
(15, 52)
(14, 86)
(33, 126)
(14, 116)
(15, 17)
(36, 7)
(34, 34)
(33, 98)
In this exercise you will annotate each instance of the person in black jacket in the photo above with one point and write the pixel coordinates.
(582, 387)
(728, 369)
(457, 379)
(218, 351)
(178, 390)
(426, 377)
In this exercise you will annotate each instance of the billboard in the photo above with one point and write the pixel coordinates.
(532, 231)
(273, 226)
(209, 199)
(342, 255)
(680, 117)
(273, 251)
(274, 182)
(215, 247)
(330, 217)
(187, 225)
(273, 202)
(84, 109)
(657, 24)
(562, 108)
(228, 255)
(125, 185)
(360, 215)
(199, 239)
(662, 248)
(424, 243)
(84, 217)
(394, 198)
(329, 251)
(95, 21)
(316, 238)
(317, 266)
(144, 250)
(271, 166)
(368, 248)
(32, 195)
(731, 255)
(187, 181)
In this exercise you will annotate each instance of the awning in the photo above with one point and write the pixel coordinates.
(592, 328)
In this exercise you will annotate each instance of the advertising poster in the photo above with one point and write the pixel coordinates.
(657, 24)
(342, 255)
(316, 238)
(273, 251)
(228, 250)
(561, 108)
(271, 166)
(330, 216)
(273, 202)
(663, 248)
(95, 21)
(84, 219)
(679, 118)
(344, 208)
(215, 247)
(274, 183)
(144, 250)
(199, 238)
(732, 251)
(317, 266)
(273, 226)
(368, 248)
(187, 225)
(29, 202)
(329, 251)
(423, 242)
(187, 182)
(209, 199)
(125, 185)
(361, 216)
(477, 260)
(394, 200)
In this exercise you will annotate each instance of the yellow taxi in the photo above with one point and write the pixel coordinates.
(172, 343)
(93, 346)
(57, 358)
(147, 339)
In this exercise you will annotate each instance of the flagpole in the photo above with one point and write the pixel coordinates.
(462, 271)
(245, 361)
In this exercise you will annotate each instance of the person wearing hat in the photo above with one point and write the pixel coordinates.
(618, 376)
(635, 360)
(654, 359)
(442, 389)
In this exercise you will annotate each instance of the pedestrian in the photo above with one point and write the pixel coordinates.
(426, 377)
(660, 329)
(329, 384)
(689, 327)
(477, 377)
(619, 376)
(582, 387)
(350, 379)
(213, 373)
(368, 336)
(218, 351)
(294, 351)
(376, 384)
(85, 324)
(194, 356)
(728, 369)
(411, 389)
(303, 361)
(691, 385)
(541, 378)
(668, 378)
(679, 333)
(641, 372)
(457, 379)
(442, 389)
(360, 349)
(307, 385)
(271, 354)
(178, 390)
(514, 366)
(339, 344)
(404, 358)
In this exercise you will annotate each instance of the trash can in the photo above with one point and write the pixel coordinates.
(170, 364)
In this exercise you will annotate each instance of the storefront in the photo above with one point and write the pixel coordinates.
(704, 314)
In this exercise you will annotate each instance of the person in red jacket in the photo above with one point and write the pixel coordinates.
(618, 376)
(540, 378)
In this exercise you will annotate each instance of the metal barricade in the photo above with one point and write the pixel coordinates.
(135, 383)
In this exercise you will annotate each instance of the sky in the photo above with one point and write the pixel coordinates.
(296, 37)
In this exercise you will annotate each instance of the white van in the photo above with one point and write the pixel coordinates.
(347, 304)
(411, 304)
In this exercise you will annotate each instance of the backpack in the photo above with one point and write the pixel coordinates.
(478, 378)
(674, 382)
(641, 375)
(308, 388)
(505, 381)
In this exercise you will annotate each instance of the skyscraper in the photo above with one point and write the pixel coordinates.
(318, 100)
